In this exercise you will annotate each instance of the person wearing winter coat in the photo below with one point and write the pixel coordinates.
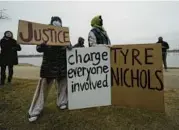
(98, 35)
(165, 47)
(53, 68)
(80, 42)
(8, 56)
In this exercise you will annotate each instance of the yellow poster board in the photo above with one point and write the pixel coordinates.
(30, 33)
(137, 76)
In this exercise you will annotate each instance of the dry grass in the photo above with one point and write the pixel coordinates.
(25, 64)
(15, 101)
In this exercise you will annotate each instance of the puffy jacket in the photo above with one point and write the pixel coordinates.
(54, 61)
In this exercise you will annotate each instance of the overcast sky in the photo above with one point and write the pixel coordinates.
(125, 22)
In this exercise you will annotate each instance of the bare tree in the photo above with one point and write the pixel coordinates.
(3, 15)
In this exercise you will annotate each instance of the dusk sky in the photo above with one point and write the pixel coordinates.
(125, 22)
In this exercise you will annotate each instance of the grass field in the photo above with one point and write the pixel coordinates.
(15, 101)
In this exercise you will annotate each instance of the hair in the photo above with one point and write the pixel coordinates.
(55, 18)
(7, 32)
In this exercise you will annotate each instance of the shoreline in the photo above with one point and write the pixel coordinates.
(28, 71)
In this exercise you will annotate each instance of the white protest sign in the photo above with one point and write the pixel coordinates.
(89, 77)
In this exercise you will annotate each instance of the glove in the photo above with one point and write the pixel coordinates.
(70, 47)
(44, 43)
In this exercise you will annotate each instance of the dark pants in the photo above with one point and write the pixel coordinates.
(3, 73)
(164, 57)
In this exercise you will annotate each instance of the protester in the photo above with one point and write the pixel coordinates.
(80, 42)
(53, 68)
(8, 56)
(165, 47)
(98, 35)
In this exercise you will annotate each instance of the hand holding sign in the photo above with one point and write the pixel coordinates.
(70, 47)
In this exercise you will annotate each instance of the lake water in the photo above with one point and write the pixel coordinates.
(172, 60)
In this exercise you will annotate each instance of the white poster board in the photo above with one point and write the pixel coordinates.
(89, 77)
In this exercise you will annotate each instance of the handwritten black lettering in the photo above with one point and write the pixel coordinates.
(126, 77)
(157, 72)
(125, 55)
(69, 61)
(143, 79)
(135, 54)
(65, 36)
(92, 68)
(135, 77)
(105, 56)
(89, 85)
(147, 56)
(115, 53)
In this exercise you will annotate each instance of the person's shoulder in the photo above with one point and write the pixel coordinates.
(2, 39)
(13, 40)
(165, 42)
(93, 32)
(75, 45)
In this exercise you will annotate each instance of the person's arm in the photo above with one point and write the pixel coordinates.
(16, 46)
(0, 45)
(75, 45)
(167, 46)
(41, 48)
(69, 47)
(92, 39)
(109, 41)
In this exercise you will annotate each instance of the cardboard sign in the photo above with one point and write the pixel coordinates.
(137, 76)
(34, 33)
(89, 77)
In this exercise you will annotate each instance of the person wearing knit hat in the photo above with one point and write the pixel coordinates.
(53, 68)
(98, 35)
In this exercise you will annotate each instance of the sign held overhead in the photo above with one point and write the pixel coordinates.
(30, 33)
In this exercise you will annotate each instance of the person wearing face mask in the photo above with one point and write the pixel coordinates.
(165, 47)
(80, 42)
(53, 68)
(9, 58)
(98, 35)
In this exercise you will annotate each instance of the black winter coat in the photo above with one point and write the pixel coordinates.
(165, 45)
(9, 49)
(54, 61)
(78, 45)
